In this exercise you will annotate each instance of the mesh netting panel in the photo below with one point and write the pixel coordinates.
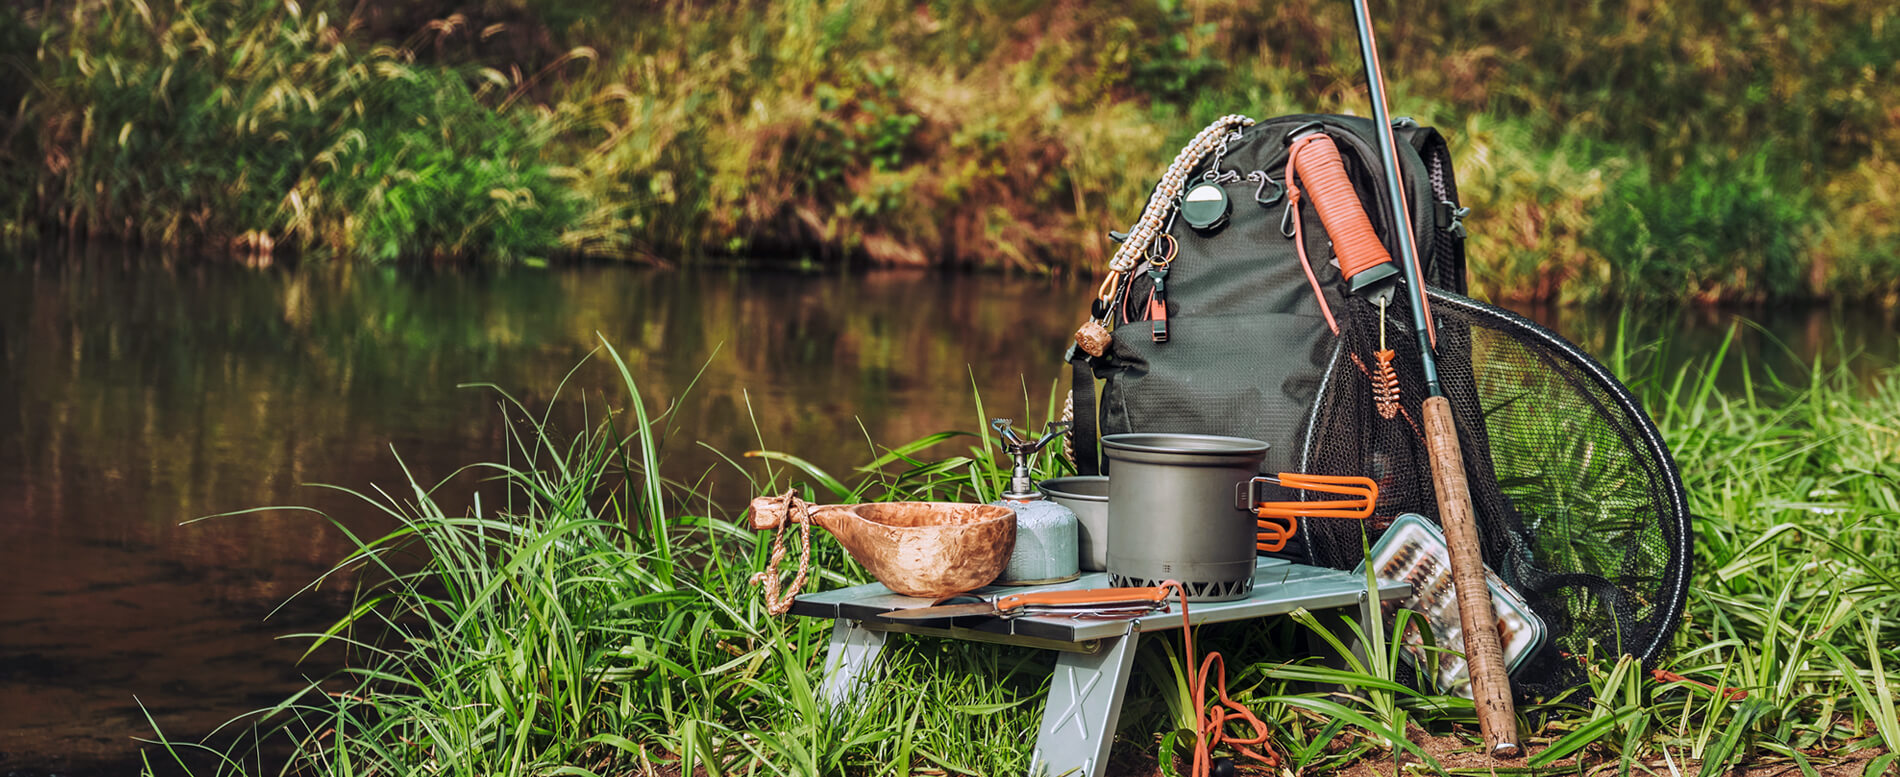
(1579, 506)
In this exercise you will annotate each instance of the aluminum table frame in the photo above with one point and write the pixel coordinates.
(1094, 658)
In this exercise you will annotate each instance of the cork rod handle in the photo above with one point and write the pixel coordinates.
(1484, 656)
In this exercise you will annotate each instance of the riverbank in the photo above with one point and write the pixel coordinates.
(1726, 150)
(568, 632)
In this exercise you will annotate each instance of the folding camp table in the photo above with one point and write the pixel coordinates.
(1094, 654)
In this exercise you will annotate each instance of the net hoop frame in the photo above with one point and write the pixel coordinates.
(1675, 520)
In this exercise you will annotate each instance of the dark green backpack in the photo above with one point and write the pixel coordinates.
(1580, 506)
(1242, 345)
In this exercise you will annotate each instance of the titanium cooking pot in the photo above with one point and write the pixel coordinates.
(1173, 515)
(1087, 497)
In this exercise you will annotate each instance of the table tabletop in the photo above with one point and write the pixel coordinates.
(1279, 587)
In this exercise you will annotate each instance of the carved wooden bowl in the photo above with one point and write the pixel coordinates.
(924, 549)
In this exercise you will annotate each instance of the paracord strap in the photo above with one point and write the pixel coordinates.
(1154, 217)
(1086, 430)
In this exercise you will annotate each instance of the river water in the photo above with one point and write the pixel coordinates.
(139, 392)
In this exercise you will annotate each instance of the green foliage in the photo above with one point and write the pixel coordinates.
(861, 129)
(1715, 230)
(18, 145)
(1172, 61)
(586, 624)
(202, 123)
(437, 172)
(997, 133)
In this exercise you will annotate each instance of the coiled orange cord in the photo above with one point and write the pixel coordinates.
(1211, 724)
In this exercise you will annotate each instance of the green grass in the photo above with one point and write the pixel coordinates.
(208, 124)
(586, 620)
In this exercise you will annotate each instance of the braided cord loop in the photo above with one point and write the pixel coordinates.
(1161, 204)
(796, 511)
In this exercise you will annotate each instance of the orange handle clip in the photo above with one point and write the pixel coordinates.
(1366, 491)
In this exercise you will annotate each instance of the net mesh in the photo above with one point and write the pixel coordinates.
(1579, 506)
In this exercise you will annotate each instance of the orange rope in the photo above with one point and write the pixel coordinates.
(1211, 723)
(1299, 241)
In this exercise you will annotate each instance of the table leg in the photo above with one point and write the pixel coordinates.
(1369, 608)
(1085, 701)
(850, 661)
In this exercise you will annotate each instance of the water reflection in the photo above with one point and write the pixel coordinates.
(138, 395)
(137, 392)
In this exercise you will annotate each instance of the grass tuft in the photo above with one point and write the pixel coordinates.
(577, 621)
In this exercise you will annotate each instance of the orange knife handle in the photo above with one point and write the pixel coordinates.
(1086, 596)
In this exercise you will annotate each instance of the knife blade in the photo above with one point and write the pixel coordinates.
(1119, 601)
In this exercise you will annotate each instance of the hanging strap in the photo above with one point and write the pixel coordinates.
(1445, 266)
(1085, 435)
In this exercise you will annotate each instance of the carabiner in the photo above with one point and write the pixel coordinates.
(1279, 191)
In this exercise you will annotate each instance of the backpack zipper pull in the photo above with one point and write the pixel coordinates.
(1158, 303)
(1165, 250)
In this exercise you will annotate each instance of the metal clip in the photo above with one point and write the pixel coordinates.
(1260, 196)
(1456, 217)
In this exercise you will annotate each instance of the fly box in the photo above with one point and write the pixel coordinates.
(1413, 551)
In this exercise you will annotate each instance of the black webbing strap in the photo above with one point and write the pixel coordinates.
(1085, 435)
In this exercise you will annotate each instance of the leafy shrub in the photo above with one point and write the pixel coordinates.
(1713, 231)
(440, 173)
(200, 121)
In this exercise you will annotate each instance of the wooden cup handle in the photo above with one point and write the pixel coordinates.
(769, 512)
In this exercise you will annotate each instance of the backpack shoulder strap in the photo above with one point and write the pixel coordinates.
(1085, 432)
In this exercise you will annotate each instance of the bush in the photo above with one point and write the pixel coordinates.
(1712, 231)
(200, 122)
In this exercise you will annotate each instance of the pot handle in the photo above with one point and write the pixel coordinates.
(1364, 493)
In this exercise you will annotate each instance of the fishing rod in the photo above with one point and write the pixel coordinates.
(1490, 687)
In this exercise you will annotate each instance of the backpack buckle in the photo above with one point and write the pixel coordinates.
(1451, 218)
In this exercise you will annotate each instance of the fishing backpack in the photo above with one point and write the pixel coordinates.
(1234, 342)
(1227, 311)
